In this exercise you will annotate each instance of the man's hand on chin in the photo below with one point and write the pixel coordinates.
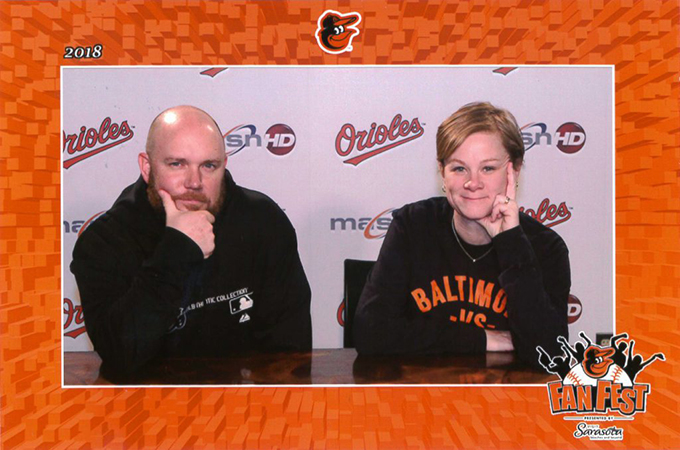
(195, 224)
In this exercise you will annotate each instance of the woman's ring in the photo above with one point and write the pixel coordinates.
(507, 199)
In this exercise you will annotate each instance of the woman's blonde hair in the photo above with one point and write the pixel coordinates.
(480, 117)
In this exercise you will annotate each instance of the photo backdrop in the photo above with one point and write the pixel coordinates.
(339, 148)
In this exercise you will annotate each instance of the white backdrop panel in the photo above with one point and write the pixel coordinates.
(315, 185)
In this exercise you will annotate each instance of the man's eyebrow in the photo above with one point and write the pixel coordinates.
(171, 159)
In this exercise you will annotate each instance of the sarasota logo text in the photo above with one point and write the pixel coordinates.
(92, 141)
(595, 433)
(596, 379)
(569, 137)
(364, 144)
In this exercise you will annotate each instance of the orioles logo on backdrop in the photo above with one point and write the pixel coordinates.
(74, 316)
(361, 145)
(92, 141)
(548, 213)
(597, 380)
(335, 31)
(504, 70)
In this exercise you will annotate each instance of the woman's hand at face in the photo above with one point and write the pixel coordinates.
(505, 212)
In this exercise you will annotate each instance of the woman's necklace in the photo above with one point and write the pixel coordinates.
(463, 248)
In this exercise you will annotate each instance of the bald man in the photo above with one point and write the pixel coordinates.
(187, 263)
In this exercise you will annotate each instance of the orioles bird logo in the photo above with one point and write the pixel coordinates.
(335, 31)
(597, 360)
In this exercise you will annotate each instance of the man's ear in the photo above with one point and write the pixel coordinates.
(144, 166)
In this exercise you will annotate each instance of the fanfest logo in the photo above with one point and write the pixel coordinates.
(596, 379)
(373, 228)
(569, 137)
(92, 141)
(73, 316)
(362, 145)
(548, 213)
(279, 139)
(335, 31)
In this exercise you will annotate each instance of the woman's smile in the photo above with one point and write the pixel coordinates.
(474, 174)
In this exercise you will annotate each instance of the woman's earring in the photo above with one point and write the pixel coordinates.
(443, 189)
(516, 184)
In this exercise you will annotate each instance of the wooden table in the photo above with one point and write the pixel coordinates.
(331, 366)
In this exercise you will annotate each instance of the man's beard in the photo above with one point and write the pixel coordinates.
(157, 203)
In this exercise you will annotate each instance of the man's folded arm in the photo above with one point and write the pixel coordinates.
(128, 312)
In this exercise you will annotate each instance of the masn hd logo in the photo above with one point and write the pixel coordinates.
(279, 139)
(372, 227)
(78, 226)
(574, 309)
(569, 138)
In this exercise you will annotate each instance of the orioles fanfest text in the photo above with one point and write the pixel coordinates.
(605, 396)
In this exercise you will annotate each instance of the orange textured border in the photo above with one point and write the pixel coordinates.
(639, 37)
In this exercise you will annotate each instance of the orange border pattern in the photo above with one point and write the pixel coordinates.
(639, 37)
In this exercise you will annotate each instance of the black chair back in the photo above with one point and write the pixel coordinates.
(356, 274)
